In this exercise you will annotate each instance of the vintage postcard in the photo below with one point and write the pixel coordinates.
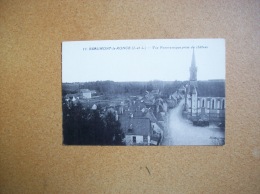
(161, 92)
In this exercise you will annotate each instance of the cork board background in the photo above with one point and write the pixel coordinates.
(32, 158)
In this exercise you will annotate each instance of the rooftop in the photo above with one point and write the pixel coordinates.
(135, 126)
(212, 88)
(85, 90)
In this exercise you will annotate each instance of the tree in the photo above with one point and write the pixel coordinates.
(96, 128)
(114, 135)
(72, 121)
(84, 126)
(67, 132)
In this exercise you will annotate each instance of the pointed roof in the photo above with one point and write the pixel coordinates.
(94, 107)
(193, 68)
(193, 62)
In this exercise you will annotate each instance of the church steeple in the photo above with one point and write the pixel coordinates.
(193, 68)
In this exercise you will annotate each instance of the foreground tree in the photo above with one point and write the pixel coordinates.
(73, 122)
(86, 127)
(114, 134)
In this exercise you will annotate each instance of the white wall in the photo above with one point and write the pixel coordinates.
(87, 95)
(139, 139)
(194, 104)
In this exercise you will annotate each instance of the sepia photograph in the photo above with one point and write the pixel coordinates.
(154, 92)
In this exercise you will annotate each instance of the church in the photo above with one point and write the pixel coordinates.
(204, 100)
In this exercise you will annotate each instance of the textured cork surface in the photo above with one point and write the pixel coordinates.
(32, 158)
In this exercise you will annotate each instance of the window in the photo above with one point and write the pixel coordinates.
(203, 103)
(218, 105)
(134, 139)
(223, 104)
(213, 104)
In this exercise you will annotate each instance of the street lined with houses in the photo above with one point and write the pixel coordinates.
(181, 131)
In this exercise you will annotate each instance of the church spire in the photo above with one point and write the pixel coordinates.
(193, 64)
(193, 68)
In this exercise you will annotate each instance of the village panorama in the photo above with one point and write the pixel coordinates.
(149, 113)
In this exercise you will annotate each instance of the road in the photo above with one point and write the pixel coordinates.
(180, 131)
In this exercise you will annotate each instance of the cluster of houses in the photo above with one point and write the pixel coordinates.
(143, 119)
(81, 95)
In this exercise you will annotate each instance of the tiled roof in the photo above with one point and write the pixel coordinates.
(137, 106)
(211, 88)
(138, 126)
(151, 116)
(138, 114)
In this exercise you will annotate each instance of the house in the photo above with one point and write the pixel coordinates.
(182, 90)
(120, 107)
(204, 100)
(157, 128)
(71, 99)
(137, 106)
(149, 97)
(137, 130)
(156, 139)
(156, 135)
(162, 116)
(85, 93)
(94, 107)
(171, 103)
(176, 97)
(155, 93)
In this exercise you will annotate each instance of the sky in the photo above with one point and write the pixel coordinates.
(142, 60)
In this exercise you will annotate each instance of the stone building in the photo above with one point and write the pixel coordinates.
(204, 100)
